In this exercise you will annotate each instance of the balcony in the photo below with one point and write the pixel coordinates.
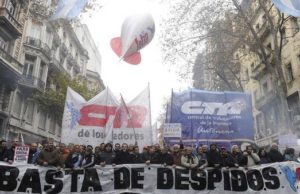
(10, 62)
(258, 70)
(31, 82)
(56, 66)
(38, 44)
(10, 28)
(265, 99)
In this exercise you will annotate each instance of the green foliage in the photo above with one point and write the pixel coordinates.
(53, 101)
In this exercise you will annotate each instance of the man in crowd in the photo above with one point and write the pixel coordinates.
(189, 160)
(49, 156)
(122, 157)
(88, 158)
(238, 156)
(3, 148)
(165, 158)
(214, 157)
(252, 158)
(8, 155)
(274, 154)
(108, 156)
(34, 154)
(176, 153)
(74, 159)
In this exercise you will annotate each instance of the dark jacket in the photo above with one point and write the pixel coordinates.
(275, 156)
(213, 158)
(88, 160)
(240, 158)
(135, 158)
(154, 157)
(166, 159)
(9, 154)
(228, 160)
(122, 157)
(108, 157)
(2, 151)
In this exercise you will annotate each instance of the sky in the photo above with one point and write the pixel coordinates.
(120, 77)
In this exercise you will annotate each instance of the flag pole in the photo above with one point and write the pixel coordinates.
(149, 104)
(129, 118)
(105, 130)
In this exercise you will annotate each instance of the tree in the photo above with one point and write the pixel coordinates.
(192, 24)
(52, 101)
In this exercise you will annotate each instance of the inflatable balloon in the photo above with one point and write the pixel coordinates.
(137, 31)
(290, 7)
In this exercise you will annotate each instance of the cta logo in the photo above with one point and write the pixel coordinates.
(98, 115)
(213, 108)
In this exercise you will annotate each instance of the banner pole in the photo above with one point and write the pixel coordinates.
(129, 117)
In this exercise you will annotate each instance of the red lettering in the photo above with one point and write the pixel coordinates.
(136, 120)
(88, 120)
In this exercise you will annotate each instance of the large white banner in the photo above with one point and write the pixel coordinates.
(277, 178)
(101, 119)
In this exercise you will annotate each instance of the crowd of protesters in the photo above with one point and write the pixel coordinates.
(81, 156)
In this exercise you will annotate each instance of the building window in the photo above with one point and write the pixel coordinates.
(42, 69)
(3, 44)
(35, 30)
(52, 125)
(18, 104)
(28, 65)
(42, 120)
(289, 73)
(29, 112)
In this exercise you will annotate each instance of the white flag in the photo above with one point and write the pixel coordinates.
(136, 126)
(290, 7)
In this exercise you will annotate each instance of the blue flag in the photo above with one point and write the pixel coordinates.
(68, 9)
(290, 7)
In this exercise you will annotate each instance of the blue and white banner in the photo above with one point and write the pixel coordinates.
(290, 7)
(212, 116)
(68, 9)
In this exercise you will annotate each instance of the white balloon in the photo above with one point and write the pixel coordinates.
(137, 32)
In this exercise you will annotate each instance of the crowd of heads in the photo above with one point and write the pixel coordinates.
(202, 156)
